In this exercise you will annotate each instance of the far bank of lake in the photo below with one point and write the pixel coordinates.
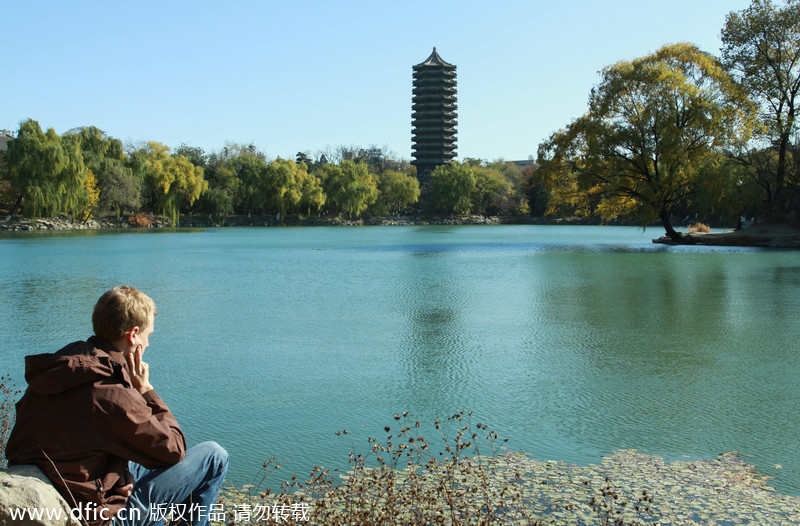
(571, 341)
(771, 235)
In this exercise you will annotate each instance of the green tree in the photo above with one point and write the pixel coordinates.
(172, 180)
(653, 130)
(120, 190)
(33, 161)
(452, 186)
(97, 147)
(350, 187)
(303, 158)
(284, 188)
(398, 191)
(761, 47)
(493, 191)
(250, 172)
(218, 200)
(535, 191)
(104, 158)
(312, 196)
(196, 155)
(75, 194)
(218, 203)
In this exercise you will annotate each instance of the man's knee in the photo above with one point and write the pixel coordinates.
(213, 453)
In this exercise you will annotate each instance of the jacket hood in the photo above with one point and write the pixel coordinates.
(76, 364)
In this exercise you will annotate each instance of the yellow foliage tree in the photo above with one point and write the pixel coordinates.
(92, 195)
(174, 180)
(652, 132)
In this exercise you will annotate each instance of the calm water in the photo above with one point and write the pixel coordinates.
(570, 341)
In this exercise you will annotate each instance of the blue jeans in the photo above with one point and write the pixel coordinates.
(188, 489)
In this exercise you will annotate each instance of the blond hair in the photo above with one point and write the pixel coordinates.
(119, 310)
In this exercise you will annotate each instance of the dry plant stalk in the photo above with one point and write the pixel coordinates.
(401, 480)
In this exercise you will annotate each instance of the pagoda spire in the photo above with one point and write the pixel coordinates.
(433, 114)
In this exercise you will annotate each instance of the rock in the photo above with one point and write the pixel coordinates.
(27, 488)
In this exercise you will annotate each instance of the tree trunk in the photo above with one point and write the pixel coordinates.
(780, 172)
(17, 206)
(671, 233)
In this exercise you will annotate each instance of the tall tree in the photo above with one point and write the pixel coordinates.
(250, 173)
(196, 155)
(104, 158)
(33, 161)
(218, 203)
(492, 190)
(398, 190)
(452, 186)
(120, 190)
(761, 47)
(653, 128)
(75, 193)
(312, 196)
(283, 185)
(173, 180)
(350, 187)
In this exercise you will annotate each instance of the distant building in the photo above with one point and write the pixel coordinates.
(522, 165)
(433, 114)
(5, 135)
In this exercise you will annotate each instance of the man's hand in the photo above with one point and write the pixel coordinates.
(140, 371)
(127, 489)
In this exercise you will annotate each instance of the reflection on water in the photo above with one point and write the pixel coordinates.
(571, 341)
(434, 354)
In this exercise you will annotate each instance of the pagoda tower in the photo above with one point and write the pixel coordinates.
(433, 114)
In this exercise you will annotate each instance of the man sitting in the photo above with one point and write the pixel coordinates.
(92, 422)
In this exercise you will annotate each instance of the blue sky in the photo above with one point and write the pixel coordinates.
(308, 76)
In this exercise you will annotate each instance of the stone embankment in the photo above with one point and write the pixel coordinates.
(60, 223)
(52, 224)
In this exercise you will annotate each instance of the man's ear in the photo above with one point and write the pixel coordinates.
(130, 335)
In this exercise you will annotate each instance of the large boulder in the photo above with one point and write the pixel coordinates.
(25, 489)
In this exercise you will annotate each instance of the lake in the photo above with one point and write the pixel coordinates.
(570, 341)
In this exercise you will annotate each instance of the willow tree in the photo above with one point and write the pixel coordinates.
(173, 180)
(350, 187)
(398, 190)
(246, 176)
(312, 196)
(284, 186)
(652, 132)
(75, 192)
(34, 161)
(761, 47)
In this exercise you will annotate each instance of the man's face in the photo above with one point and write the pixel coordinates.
(143, 336)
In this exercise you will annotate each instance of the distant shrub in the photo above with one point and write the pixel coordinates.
(140, 219)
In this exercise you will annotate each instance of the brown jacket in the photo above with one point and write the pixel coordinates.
(81, 422)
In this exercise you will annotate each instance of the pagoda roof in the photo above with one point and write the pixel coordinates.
(435, 60)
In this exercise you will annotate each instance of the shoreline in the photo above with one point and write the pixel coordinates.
(761, 235)
(194, 221)
(764, 235)
(721, 490)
